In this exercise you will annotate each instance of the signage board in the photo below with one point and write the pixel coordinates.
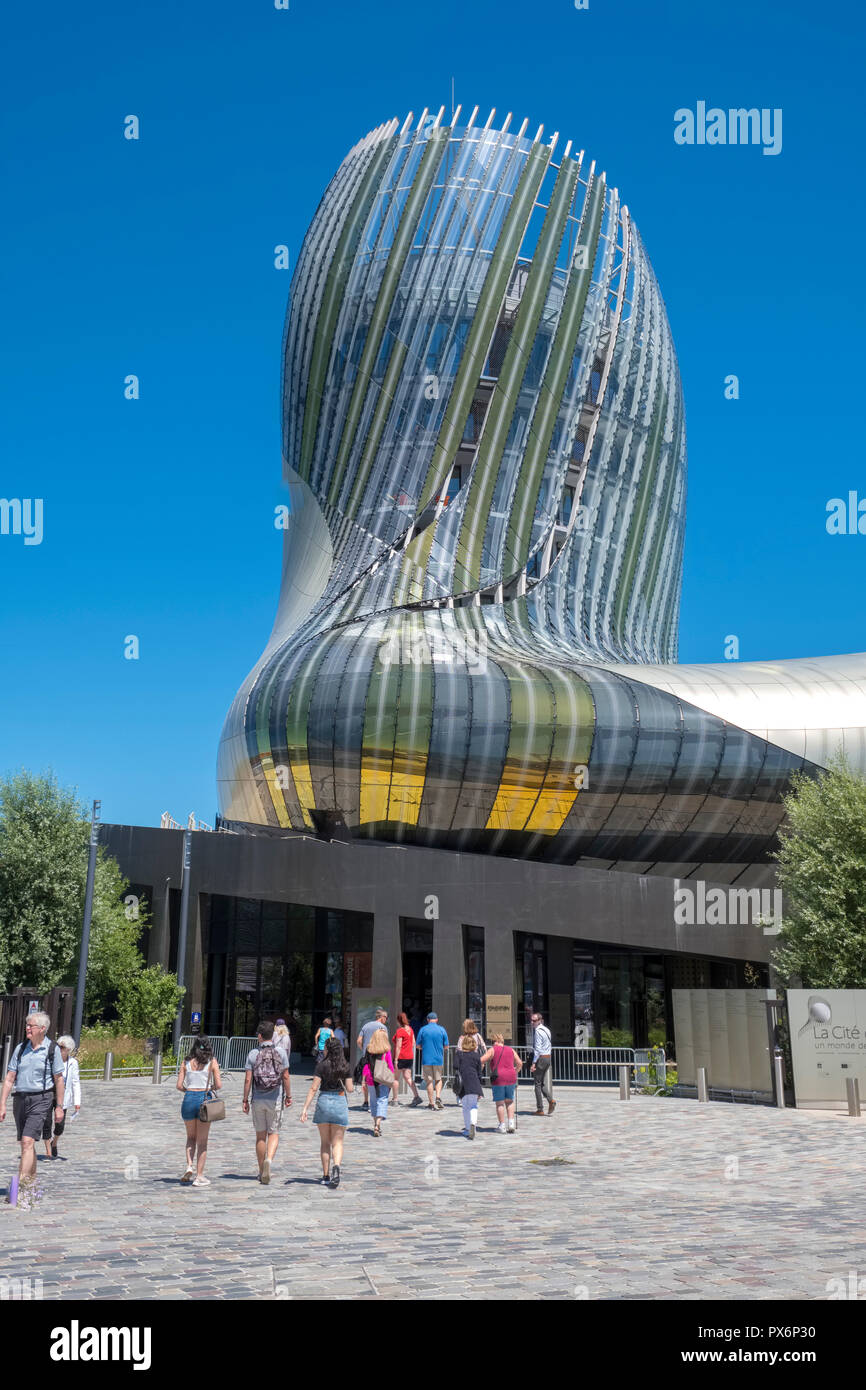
(828, 1045)
(499, 1015)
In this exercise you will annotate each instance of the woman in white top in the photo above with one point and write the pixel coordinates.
(71, 1094)
(198, 1078)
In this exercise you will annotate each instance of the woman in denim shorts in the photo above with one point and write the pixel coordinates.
(198, 1078)
(331, 1081)
(504, 1066)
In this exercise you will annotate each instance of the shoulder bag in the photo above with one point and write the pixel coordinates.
(457, 1079)
(211, 1109)
(382, 1073)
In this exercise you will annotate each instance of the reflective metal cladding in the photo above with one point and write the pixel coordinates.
(484, 443)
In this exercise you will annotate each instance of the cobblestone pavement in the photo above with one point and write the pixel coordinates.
(655, 1198)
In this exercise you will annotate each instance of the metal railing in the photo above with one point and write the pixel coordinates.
(230, 1053)
(218, 1041)
(583, 1066)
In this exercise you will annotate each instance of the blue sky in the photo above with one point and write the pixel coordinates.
(155, 257)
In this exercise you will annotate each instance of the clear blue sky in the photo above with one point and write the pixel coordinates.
(156, 258)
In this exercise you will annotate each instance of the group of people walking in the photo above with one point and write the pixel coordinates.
(383, 1061)
(47, 1084)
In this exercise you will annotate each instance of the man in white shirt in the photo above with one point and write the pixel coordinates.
(541, 1064)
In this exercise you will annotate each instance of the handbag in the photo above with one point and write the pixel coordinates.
(212, 1110)
(382, 1073)
(457, 1081)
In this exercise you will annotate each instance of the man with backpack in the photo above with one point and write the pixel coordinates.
(36, 1072)
(266, 1082)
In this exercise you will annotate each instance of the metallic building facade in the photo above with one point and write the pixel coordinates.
(484, 444)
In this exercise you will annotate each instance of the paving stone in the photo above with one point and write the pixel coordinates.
(649, 1205)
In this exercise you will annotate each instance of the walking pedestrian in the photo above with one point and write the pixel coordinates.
(322, 1034)
(379, 1073)
(505, 1063)
(471, 1030)
(199, 1078)
(403, 1043)
(467, 1063)
(340, 1032)
(283, 1038)
(541, 1064)
(267, 1086)
(331, 1081)
(379, 1020)
(433, 1041)
(36, 1072)
(71, 1095)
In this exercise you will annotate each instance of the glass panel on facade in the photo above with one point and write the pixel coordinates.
(282, 960)
(584, 1001)
(473, 940)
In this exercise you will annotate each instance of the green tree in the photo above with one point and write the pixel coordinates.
(44, 835)
(148, 1002)
(822, 872)
(114, 956)
(43, 860)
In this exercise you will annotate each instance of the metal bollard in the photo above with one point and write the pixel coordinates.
(852, 1086)
(7, 1048)
(624, 1081)
(109, 1066)
(157, 1068)
(703, 1088)
(779, 1078)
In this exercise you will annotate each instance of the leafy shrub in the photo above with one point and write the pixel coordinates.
(147, 1003)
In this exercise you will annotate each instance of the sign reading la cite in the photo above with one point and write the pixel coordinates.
(828, 1044)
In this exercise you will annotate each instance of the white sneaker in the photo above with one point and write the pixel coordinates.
(512, 1127)
(500, 1129)
(200, 1182)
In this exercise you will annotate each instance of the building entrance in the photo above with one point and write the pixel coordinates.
(269, 960)
(417, 1000)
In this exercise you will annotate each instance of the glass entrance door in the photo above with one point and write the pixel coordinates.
(532, 975)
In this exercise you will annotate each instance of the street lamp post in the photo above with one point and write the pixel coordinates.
(88, 912)
(181, 935)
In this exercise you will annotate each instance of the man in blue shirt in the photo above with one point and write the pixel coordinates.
(433, 1041)
(35, 1069)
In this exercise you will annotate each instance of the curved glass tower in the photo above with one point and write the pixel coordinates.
(484, 443)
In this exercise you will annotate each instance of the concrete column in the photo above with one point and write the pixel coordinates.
(449, 976)
(388, 963)
(499, 973)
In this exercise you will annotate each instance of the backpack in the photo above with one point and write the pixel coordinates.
(49, 1060)
(267, 1068)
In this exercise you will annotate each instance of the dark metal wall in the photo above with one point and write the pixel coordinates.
(502, 896)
